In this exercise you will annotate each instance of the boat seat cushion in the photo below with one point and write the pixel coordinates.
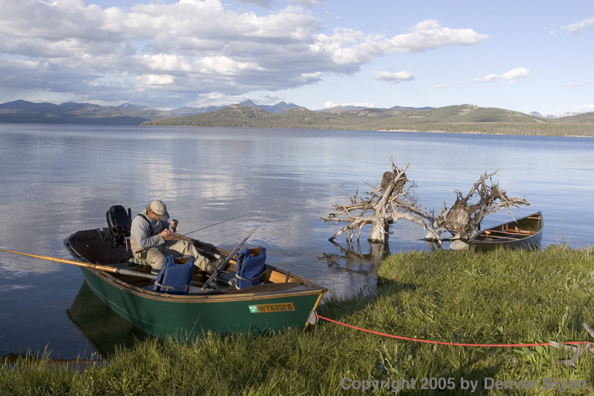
(174, 278)
(250, 267)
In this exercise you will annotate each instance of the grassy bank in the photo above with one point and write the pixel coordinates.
(501, 297)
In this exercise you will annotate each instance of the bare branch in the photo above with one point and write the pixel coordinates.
(393, 200)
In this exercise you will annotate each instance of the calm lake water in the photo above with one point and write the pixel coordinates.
(57, 179)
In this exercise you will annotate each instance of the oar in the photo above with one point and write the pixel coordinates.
(86, 265)
(221, 267)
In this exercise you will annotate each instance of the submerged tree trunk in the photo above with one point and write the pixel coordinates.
(377, 210)
(379, 231)
(392, 200)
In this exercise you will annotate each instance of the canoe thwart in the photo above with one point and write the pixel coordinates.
(523, 233)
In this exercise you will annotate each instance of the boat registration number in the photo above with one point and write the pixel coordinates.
(272, 308)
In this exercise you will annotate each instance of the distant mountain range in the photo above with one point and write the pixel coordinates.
(280, 115)
(453, 119)
(21, 111)
(340, 109)
(240, 115)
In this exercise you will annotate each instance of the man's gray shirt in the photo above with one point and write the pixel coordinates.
(141, 231)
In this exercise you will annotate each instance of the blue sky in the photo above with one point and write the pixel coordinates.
(523, 56)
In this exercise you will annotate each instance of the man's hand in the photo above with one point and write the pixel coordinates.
(166, 234)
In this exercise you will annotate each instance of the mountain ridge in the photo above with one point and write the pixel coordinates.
(280, 115)
(21, 111)
(455, 119)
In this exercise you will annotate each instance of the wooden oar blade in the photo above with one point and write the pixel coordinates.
(49, 258)
(86, 265)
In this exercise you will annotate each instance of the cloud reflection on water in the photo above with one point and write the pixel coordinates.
(60, 179)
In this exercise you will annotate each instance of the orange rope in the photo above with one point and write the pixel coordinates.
(447, 343)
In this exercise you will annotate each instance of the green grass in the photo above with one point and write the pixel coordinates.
(470, 297)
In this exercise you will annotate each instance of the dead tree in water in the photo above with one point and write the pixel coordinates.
(463, 218)
(383, 206)
(392, 200)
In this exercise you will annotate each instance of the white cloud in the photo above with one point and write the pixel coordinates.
(520, 72)
(269, 99)
(587, 108)
(216, 99)
(329, 105)
(156, 79)
(579, 27)
(489, 78)
(511, 75)
(187, 48)
(349, 47)
(394, 78)
(213, 96)
(220, 99)
(584, 108)
(430, 34)
(579, 84)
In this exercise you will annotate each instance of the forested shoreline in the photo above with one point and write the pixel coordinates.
(452, 119)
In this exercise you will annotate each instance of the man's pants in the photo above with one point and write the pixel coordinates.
(156, 255)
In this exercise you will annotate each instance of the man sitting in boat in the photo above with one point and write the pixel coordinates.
(150, 238)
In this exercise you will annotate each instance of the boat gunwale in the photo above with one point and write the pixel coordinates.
(510, 240)
(204, 298)
(313, 287)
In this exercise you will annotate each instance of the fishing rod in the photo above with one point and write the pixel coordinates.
(222, 266)
(220, 222)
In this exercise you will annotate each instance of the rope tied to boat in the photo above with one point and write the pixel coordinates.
(551, 343)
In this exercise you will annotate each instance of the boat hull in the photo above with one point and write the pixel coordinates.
(263, 308)
(192, 317)
(524, 233)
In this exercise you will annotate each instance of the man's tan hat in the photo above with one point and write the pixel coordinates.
(159, 208)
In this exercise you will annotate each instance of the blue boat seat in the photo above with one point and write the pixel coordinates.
(174, 278)
(250, 267)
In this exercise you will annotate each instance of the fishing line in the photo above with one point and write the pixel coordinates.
(220, 222)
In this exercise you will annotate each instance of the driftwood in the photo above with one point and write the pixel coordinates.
(394, 200)
(463, 218)
(378, 209)
(578, 351)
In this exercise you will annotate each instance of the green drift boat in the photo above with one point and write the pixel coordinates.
(283, 300)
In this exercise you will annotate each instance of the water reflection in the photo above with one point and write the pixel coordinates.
(59, 179)
(105, 330)
(353, 261)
